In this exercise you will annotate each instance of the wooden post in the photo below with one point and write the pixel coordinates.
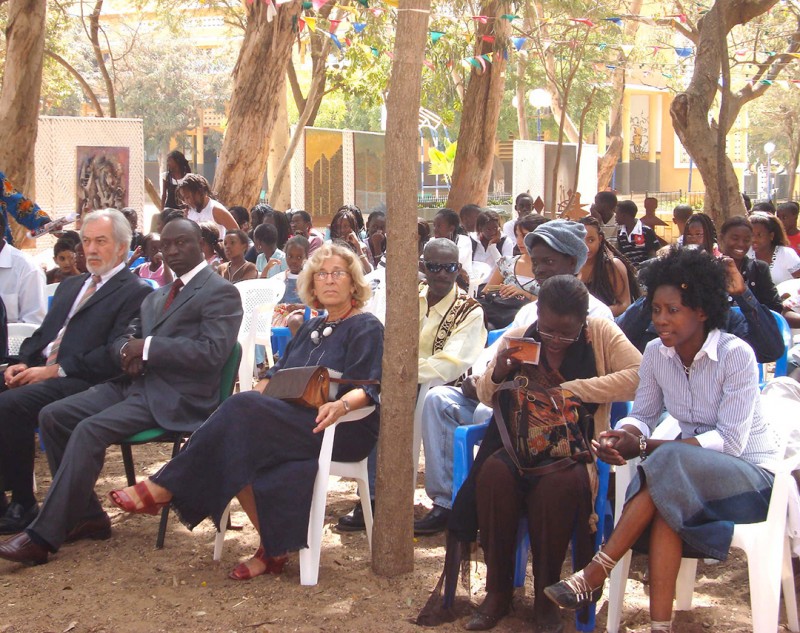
(393, 542)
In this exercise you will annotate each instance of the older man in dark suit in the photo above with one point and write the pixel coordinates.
(173, 357)
(70, 352)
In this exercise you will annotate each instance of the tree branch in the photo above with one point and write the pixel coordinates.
(94, 22)
(87, 89)
(297, 92)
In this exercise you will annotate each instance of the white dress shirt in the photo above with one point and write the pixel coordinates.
(22, 285)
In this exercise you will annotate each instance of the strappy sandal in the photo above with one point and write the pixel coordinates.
(575, 592)
(272, 565)
(123, 500)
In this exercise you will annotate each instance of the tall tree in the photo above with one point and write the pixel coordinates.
(704, 136)
(259, 74)
(393, 544)
(483, 97)
(22, 83)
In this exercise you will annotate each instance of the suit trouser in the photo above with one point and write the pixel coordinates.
(77, 431)
(19, 417)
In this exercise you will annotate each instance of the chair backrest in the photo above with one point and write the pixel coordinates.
(18, 332)
(229, 369)
(50, 289)
(781, 365)
(477, 273)
(256, 292)
(152, 282)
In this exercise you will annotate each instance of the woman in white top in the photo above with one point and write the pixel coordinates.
(195, 192)
(489, 244)
(446, 223)
(770, 245)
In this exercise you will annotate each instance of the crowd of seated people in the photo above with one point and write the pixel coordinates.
(593, 296)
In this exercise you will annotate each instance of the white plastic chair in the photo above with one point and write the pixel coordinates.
(790, 287)
(477, 274)
(309, 557)
(18, 332)
(765, 544)
(424, 388)
(377, 302)
(50, 289)
(259, 298)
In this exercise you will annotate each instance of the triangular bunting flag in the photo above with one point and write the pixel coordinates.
(334, 24)
(683, 51)
(301, 24)
(306, 5)
(393, 3)
(584, 21)
(489, 39)
(509, 16)
(364, 3)
(311, 23)
(376, 11)
(271, 10)
(487, 57)
(481, 18)
(519, 42)
(627, 49)
(436, 36)
(359, 26)
(428, 63)
(318, 4)
(335, 40)
(617, 21)
(375, 51)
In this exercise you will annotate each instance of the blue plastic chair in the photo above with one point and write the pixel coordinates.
(495, 334)
(281, 336)
(464, 441)
(781, 365)
(137, 262)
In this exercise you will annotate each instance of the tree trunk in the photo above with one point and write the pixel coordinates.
(19, 97)
(522, 118)
(279, 194)
(690, 109)
(472, 169)
(393, 540)
(259, 75)
(99, 56)
(608, 161)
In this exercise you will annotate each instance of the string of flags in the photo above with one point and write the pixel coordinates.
(356, 20)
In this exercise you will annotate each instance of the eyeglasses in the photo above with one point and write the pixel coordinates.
(556, 338)
(435, 268)
(337, 275)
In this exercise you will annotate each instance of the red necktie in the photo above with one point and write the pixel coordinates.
(176, 286)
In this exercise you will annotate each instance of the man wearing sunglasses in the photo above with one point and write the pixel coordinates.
(451, 336)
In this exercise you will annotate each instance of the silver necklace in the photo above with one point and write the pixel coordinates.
(238, 270)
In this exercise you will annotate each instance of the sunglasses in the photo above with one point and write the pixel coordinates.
(436, 268)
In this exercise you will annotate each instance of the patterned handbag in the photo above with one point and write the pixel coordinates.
(544, 428)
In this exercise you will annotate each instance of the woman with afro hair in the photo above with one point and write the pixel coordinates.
(688, 492)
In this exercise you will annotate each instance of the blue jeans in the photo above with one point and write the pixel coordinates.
(445, 409)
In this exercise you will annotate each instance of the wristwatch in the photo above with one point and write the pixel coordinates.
(642, 447)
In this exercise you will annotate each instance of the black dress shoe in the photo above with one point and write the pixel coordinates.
(97, 528)
(433, 522)
(354, 520)
(21, 549)
(17, 518)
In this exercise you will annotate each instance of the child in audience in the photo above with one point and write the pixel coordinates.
(237, 268)
(290, 311)
(787, 214)
(154, 268)
(209, 242)
(65, 259)
(271, 260)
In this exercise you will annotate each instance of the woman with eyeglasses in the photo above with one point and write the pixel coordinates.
(264, 451)
(592, 359)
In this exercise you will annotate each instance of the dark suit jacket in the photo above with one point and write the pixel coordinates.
(191, 342)
(86, 349)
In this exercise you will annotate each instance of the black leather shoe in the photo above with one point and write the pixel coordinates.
(354, 520)
(17, 518)
(433, 522)
(97, 528)
(21, 549)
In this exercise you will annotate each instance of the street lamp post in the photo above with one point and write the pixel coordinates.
(539, 99)
(769, 147)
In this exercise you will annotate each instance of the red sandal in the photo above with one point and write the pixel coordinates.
(123, 500)
(272, 565)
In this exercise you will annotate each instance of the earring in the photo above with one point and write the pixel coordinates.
(352, 303)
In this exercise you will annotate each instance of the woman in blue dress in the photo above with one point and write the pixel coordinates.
(264, 451)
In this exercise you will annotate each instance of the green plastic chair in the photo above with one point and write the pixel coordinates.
(157, 434)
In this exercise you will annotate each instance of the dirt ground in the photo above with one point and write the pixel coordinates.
(125, 585)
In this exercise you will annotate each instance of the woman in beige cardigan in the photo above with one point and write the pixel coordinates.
(595, 362)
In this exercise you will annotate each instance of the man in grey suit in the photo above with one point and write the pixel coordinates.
(173, 357)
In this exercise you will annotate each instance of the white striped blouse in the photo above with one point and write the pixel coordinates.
(718, 402)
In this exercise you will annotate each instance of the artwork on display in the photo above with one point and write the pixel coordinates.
(103, 174)
(369, 151)
(640, 127)
(324, 181)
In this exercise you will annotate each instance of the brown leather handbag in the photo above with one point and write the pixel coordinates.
(307, 386)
